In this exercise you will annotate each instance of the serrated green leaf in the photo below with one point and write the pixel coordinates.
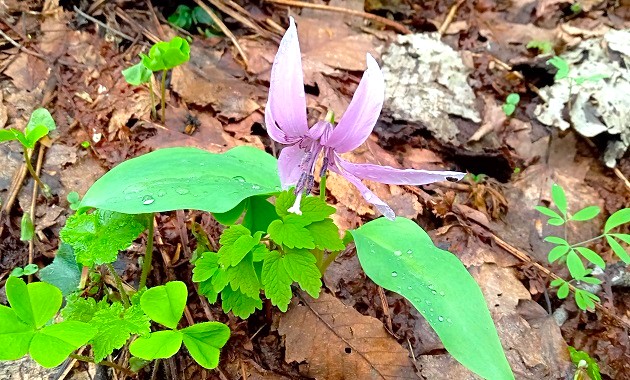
(424, 272)
(563, 290)
(240, 304)
(52, 344)
(230, 235)
(243, 278)
(314, 209)
(204, 342)
(618, 218)
(115, 325)
(559, 198)
(557, 252)
(81, 309)
(291, 232)
(96, 238)
(220, 280)
(207, 290)
(618, 249)
(232, 254)
(548, 212)
(259, 252)
(587, 213)
(157, 345)
(592, 366)
(15, 335)
(326, 235)
(205, 267)
(575, 265)
(210, 182)
(591, 256)
(260, 213)
(137, 74)
(64, 272)
(301, 266)
(276, 280)
(556, 240)
(165, 304)
(35, 303)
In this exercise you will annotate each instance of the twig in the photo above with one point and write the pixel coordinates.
(385, 305)
(392, 24)
(103, 25)
(449, 17)
(622, 177)
(103, 362)
(225, 30)
(150, 36)
(238, 16)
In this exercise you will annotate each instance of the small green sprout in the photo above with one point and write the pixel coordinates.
(27, 230)
(544, 47)
(85, 144)
(562, 65)
(587, 367)
(510, 104)
(576, 7)
(28, 270)
(38, 126)
(187, 18)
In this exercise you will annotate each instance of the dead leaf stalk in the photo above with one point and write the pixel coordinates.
(103, 25)
(449, 17)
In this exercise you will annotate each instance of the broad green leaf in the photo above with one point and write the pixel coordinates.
(232, 252)
(243, 278)
(562, 65)
(205, 267)
(618, 218)
(52, 344)
(137, 74)
(96, 238)
(399, 256)
(556, 240)
(555, 221)
(157, 345)
(35, 303)
(220, 280)
(513, 98)
(557, 282)
(26, 227)
(291, 232)
(276, 280)
(548, 212)
(618, 249)
(313, 208)
(301, 266)
(326, 235)
(508, 109)
(185, 178)
(115, 325)
(591, 280)
(35, 134)
(165, 303)
(204, 342)
(15, 335)
(230, 217)
(559, 198)
(240, 304)
(563, 290)
(586, 213)
(591, 256)
(39, 117)
(260, 213)
(166, 55)
(575, 265)
(182, 17)
(207, 290)
(557, 252)
(64, 272)
(7, 135)
(30, 269)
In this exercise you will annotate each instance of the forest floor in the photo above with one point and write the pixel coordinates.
(443, 110)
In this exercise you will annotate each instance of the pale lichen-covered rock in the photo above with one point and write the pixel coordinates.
(426, 82)
(595, 106)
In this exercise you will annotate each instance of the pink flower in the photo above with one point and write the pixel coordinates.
(285, 116)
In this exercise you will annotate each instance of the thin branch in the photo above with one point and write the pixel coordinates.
(103, 25)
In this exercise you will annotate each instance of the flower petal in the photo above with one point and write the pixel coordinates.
(289, 165)
(285, 114)
(393, 176)
(357, 122)
(367, 194)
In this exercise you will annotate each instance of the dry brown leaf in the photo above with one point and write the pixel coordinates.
(338, 342)
(4, 116)
(27, 71)
(493, 119)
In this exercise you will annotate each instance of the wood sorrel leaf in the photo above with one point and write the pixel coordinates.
(137, 74)
(204, 342)
(399, 256)
(185, 178)
(36, 303)
(15, 335)
(165, 304)
(157, 345)
(52, 344)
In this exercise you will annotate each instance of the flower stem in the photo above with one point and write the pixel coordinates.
(588, 241)
(119, 284)
(106, 363)
(31, 170)
(322, 187)
(148, 255)
(328, 260)
(163, 100)
(153, 110)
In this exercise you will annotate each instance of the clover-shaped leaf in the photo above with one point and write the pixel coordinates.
(166, 55)
(137, 74)
(165, 303)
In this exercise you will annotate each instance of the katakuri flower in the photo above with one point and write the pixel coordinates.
(285, 116)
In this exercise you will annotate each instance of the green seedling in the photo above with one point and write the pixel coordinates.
(510, 104)
(563, 71)
(543, 47)
(163, 56)
(587, 367)
(28, 270)
(573, 254)
(38, 126)
(186, 18)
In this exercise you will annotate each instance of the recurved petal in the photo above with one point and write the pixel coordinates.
(357, 122)
(393, 176)
(285, 114)
(367, 194)
(289, 165)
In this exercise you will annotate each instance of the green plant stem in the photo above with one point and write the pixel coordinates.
(588, 241)
(148, 256)
(328, 260)
(153, 110)
(163, 94)
(31, 170)
(119, 285)
(319, 256)
(322, 187)
(107, 363)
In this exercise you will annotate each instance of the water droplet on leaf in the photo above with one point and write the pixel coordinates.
(394, 274)
(441, 318)
(161, 193)
(147, 200)
(255, 187)
(397, 253)
(181, 191)
(239, 178)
